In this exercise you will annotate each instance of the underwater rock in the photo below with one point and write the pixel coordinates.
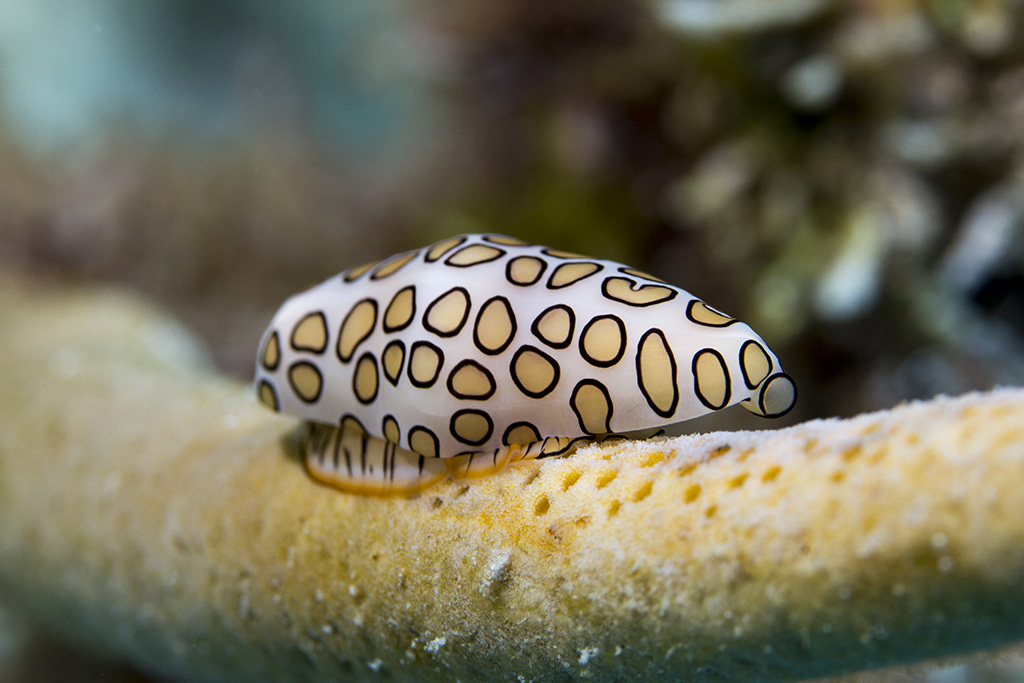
(152, 512)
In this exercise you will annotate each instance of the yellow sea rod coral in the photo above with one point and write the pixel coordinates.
(152, 511)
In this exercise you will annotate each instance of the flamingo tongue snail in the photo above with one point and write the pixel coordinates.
(481, 351)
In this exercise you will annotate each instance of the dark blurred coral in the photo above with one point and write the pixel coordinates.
(845, 176)
(221, 236)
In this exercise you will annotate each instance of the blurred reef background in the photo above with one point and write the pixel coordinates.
(847, 177)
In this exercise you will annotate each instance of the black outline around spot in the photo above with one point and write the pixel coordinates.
(622, 338)
(263, 356)
(572, 327)
(562, 254)
(362, 270)
(412, 316)
(635, 272)
(341, 330)
(345, 450)
(473, 454)
(760, 396)
(491, 239)
(384, 366)
(408, 365)
(743, 364)
(462, 323)
(725, 372)
(580, 278)
(470, 397)
(376, 377)
(426, 250)
(471, 411)
(428, 432)
(273, 392)
(673, 292)
(501, 252)
(339, 450)
(693, 319)
(540, 273)
(311, 349)
(349, 416)
(512, 319)
(384, 431)
(410, 255)
(608, 400)
(291, 382)
(512, 371)
(569, 443)
(516, 425)
(675, 373)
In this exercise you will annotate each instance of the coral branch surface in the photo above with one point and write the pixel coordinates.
(151, 511)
